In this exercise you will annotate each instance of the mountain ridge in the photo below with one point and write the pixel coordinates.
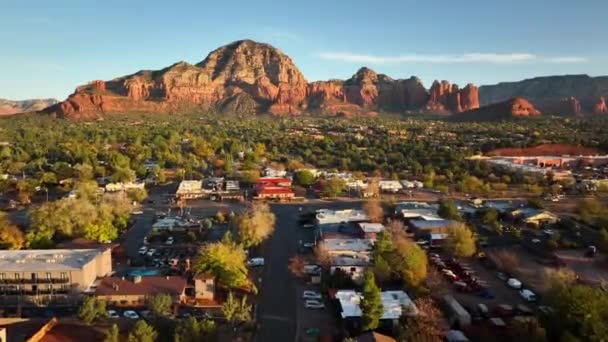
(249, 77)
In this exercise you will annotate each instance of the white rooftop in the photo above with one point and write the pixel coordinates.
(187, 186)
(393, 303)
(348, 245)
(328, 216)
(46, 259)
(371, 227)
(350, 261)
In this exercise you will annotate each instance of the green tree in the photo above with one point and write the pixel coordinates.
(374, 211)
(112, 334)
(11, 237)
(490, 216)
(137, 195)
(194, 330)
(160, 305)
(304, 178)
(371, 303)
(580, 311)
(226, 260)
(142, 332)
(255, 226)
(460, 241)
(425, 325)
(91, 309)
(235, 310)
(409, 261)
(448, 210)
(333, 187)
(535, 203)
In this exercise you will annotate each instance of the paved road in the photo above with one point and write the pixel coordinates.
(280, 310)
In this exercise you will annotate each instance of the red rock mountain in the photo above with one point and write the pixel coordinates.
(250, 77)
(569, 95)
(516, 107)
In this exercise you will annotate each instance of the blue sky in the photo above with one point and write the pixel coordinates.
(50, 47)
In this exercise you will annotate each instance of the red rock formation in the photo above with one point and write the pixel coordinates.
(253, 77)
(446, 97)
(99, 86)
(600, 107)
(469, 97)
(570, 106)
(516, 107)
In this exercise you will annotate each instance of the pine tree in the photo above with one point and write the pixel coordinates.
(371, 303)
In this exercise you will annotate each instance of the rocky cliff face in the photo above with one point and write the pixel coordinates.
(445, 97)
(556, 95)
(516, 107)
(600, 107)
(250, 77)
(8, 107)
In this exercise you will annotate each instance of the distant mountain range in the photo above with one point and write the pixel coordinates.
(8, 107)
(248, 77)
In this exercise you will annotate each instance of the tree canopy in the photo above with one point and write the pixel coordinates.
(226, 260)
(371, 303)
(460, 241)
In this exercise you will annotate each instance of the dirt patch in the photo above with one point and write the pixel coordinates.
(590, 270)
(545, 150)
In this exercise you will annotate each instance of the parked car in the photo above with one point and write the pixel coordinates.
(169, 240)
(483, 310)
(311, 295)
(486, 293)
(143, 250)
(254, 262)
(151, 252)
(527, 295)
(308, 226)
(113, 314)
(312, 269)
(313, 304)
(514, 283)
(131, 314)
(502, 276)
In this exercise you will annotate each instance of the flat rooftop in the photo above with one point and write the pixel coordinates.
(393, 303)
(46, 259)
(371, 227)
(325, 216)
(347, 245)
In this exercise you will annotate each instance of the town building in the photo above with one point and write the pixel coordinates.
(370, 230)
(351, 265)
(274, 188)
(348, 247)
(133, 292)
(424, 228)
(272, 172)
(328, 216)
(391, 186)
(394, 303)
(52, 275)
(190, 189)
(534, 217)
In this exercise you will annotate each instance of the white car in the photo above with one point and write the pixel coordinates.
(113, 314)
(131, 314)
(308, 245)
(308, 226)
(514, 283)
(151, 251)
(169, 240)
(311, 295)
(313, 304)
(549, 232)
(146, 240)
(312, 269)
(527, 295)
(143, 250)
(255, 262)
(535, 240)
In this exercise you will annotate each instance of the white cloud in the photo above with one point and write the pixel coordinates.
(489, 58)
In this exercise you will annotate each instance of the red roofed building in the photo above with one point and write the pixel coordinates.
(274, 188)
(273, 182)
(275, 192)
(133, 292)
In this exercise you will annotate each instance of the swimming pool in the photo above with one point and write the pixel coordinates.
(144, 272)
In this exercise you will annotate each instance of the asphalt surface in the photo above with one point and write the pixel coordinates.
(280, 308)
